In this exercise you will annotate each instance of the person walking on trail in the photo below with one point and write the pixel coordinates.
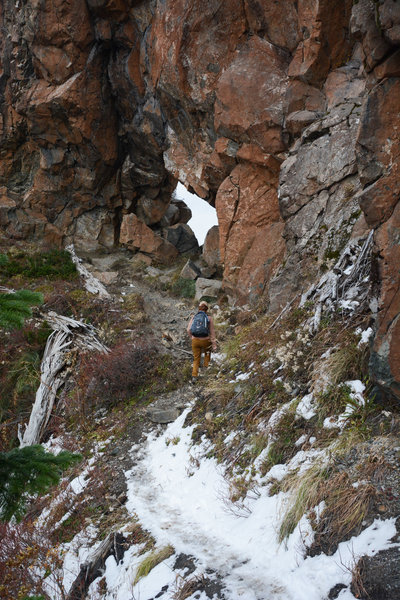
(201, 329)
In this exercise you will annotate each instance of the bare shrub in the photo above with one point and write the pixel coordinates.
(28, 561)
(106, 379)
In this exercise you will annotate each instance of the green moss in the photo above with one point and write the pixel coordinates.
(330, 254)
(355, 215)
(79, 296)
(53, 264)
(185, 288)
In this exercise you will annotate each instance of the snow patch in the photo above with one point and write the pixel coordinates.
(181, 498)
(365, 335)
(306, 407)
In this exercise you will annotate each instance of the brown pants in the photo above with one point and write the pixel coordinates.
(200, 345)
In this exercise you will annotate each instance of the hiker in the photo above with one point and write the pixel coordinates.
(201, 329)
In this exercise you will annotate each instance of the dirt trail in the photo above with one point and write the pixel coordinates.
(168, 316)
(167, 321)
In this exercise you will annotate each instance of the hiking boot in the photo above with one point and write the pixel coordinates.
(193, 381)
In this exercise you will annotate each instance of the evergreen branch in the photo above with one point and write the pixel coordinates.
(28, 471)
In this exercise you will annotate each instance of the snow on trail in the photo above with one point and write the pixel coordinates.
(182, 500)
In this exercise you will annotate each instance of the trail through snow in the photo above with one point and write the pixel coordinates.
(181, 499)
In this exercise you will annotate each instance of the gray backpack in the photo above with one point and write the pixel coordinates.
(201, 325)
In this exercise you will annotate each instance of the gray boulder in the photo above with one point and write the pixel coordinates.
(182, 237)
(211, 253)
(162, 415)
(207, 287)
(190, 271)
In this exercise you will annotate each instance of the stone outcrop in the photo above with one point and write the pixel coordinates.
(211, 252)
(190, 271)
(183, 238)
(282, 115)
(135, 235)
(248, 214)
(378, 146)
(318, 200)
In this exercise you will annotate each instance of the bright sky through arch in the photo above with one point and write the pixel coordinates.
(204, 216)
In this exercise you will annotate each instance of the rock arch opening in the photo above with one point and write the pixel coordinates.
(204, 216)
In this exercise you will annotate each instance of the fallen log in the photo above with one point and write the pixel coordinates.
(113, 545)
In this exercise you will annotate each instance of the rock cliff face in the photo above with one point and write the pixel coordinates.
(284, 115)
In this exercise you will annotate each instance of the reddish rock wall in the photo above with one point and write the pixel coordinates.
(282, 114)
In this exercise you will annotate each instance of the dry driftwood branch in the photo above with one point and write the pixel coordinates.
(284, 309)
(112, 545)
(84, 334)
(92, 284)
(68, 333)
(51, 378)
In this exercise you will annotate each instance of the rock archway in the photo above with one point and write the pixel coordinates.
(282, 115)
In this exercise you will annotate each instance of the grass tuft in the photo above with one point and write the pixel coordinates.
(347, 363)
(306, 491)
(152, 560)
(185, 288)
(187, 587)
(346, 506)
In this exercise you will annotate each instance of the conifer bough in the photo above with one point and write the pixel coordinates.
(15, 307)
(28, 471)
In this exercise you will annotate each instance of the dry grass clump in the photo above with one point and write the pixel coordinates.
(135, 534)
(357, 585)
(349, 362)
(152, 560)
(346, 506)
(375, 468)
(187, 587)
(306, 491)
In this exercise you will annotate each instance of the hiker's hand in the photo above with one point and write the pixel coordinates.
(214, 347)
